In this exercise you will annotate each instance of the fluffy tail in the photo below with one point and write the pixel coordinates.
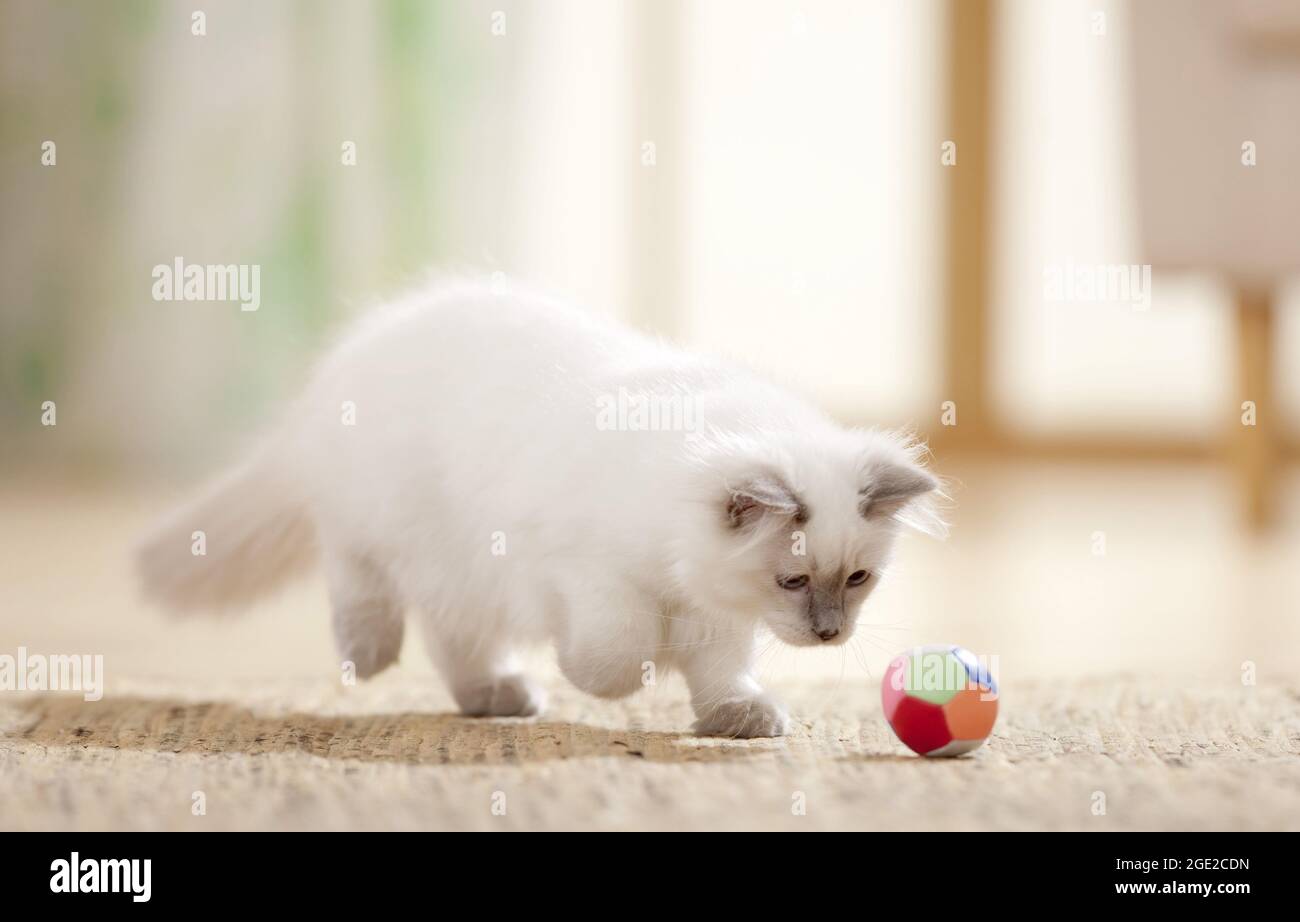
(244, 537)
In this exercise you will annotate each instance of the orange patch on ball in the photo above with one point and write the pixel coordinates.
(969, 715)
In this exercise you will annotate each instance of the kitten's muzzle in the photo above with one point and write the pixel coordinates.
(826, 611)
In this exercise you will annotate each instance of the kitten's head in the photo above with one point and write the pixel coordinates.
(803, 528)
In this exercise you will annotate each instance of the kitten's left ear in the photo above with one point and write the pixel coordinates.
(891, 485)
(762, 495)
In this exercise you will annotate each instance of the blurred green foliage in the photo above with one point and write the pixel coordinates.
(113, 83)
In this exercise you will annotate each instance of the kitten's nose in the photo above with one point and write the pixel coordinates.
(828, 633)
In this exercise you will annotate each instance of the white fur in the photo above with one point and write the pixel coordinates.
(476, 422)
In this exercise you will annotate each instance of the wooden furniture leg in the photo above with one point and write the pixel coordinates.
(1255, 449)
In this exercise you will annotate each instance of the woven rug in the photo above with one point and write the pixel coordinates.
(1092, 755)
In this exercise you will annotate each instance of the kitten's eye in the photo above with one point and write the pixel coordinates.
(858, 577)
(792, 582)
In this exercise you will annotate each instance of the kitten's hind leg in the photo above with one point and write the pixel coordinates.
(367, 612)
(483, 675)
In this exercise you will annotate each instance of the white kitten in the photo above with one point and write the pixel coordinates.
(515, 472)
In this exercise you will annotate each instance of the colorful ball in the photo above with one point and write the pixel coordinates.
(939, 700)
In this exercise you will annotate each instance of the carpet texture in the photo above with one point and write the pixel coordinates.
(1091, 755)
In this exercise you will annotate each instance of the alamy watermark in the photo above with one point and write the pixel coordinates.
(57, 672)
(196, 282)
(626, 411)
(947, 670)
(1096, 284)
(75, 874)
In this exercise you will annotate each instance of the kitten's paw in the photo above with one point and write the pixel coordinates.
(507, 696)
(745, 718)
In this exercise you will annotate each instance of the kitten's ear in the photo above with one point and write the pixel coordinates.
(891, 485)
(763, 495)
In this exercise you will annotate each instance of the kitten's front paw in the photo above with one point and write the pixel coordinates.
(507, 696)
(744, 718)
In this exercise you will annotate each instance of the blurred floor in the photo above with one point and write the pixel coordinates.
(1056, 571)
